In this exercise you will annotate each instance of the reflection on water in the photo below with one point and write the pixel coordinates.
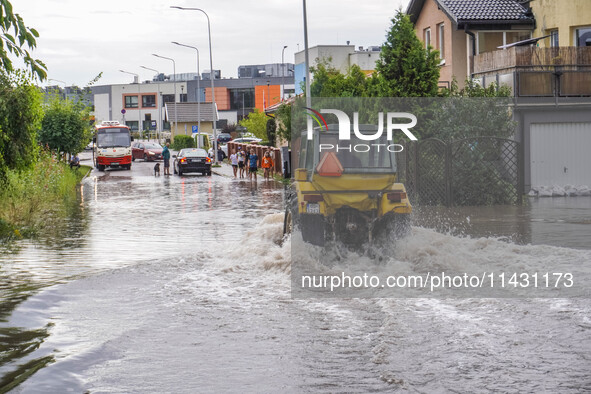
(557, 221)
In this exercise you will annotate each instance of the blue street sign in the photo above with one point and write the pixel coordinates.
(195, 129)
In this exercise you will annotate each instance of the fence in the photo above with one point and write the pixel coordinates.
(259, 151)
(470, 171)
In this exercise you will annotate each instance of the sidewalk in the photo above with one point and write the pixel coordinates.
(226, 170)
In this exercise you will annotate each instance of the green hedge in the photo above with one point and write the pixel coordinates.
(182, 141)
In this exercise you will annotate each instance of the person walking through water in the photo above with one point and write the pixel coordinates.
(241, 163)
(234, 161)
(267, 164)
(166, 157)
(252, 165)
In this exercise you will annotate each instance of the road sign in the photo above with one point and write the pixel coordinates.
(195, 129)
(153, 125)
(123, 111)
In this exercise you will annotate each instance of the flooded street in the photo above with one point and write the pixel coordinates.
(182, 285)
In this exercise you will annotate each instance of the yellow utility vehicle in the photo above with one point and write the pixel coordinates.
(346, 190)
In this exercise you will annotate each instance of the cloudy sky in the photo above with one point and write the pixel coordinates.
(80, 38)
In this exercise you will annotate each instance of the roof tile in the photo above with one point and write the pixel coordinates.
(485, 9)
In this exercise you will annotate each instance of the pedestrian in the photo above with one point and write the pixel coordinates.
(221, 154)
(252, 165)
(267, 164)
(247, 161)
(75, 162)
(241, 163)
(166, 157)
(234, 162)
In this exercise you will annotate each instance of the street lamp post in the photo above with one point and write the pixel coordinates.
(198, 93)
(283, 73)
(211, 76)
(307, 61)
(65, 87)
(159, 129)
(174, 76)
(139, 99)
(268, 94)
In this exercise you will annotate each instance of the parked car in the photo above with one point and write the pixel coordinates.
(192, 160)
(224, 138)
(148, 151)
(90, 146)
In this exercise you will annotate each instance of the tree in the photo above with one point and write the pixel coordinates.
(13, 44)
(330, 82)
(20, 117)
(405, 68)
(65, 127)
(256, 123)
(283, 120)
(229, 128)
(271, 131)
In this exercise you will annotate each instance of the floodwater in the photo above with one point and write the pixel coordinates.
(163, 284)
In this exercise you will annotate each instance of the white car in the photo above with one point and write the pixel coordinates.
(224, 149)
(246, 140)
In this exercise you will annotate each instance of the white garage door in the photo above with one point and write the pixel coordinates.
(560, 154)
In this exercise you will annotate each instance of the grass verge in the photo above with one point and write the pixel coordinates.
(30, 197)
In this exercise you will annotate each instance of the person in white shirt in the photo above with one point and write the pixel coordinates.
(234, 161)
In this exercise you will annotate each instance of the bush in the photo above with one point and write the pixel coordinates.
(183, 141)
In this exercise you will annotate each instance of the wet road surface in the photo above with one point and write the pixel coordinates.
(170, 284)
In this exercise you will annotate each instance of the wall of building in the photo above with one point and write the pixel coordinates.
(564, 15)
(265, 96)
(454, 42)
(206, 127)
(366, 60)
(222, 97)
(102, 107)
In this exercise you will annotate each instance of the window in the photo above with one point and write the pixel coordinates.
(167, 98)
(149, 100)
(583, 37)
(132, 124)
(183, 97)
(440, 31)
(238, 95)
(554, 43)
(427, 36)
(130, 101)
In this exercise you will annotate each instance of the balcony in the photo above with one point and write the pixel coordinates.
(560, 72)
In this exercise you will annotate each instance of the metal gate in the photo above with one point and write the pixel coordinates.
(470, 171)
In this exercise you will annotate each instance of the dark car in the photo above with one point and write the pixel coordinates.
(192, 160)
(224, 138)
(148, 151)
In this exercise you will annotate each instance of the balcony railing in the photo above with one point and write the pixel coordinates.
(538, 72)
(536, 58)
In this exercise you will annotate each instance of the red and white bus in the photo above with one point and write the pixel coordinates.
(112, 145)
